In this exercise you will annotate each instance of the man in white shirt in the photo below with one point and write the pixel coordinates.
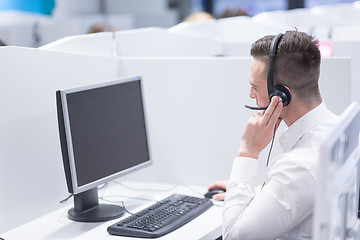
(282, 208)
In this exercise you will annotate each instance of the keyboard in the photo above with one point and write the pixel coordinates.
(161, 218)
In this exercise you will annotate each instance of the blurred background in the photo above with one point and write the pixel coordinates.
(33, 23)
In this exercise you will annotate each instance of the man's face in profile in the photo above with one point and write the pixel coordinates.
(257, 78)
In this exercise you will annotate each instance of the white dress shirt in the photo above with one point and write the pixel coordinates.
(283, 208)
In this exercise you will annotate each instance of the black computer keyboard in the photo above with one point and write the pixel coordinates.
(162, 217)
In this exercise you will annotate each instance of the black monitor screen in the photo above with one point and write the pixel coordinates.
(108, 131)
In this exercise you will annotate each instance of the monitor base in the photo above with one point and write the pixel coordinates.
(87, 208)
(98, 213)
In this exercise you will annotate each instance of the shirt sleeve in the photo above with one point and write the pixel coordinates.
(284, 202)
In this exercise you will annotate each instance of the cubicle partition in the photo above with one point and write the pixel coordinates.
(194, 109)
(238, 33)
(206, 29)
(32, 180)
(196, 112)
(151, 42)
(143, 42)
(55, 28)
(100, 44)
(350, 48)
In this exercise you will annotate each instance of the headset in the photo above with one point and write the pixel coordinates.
(278, 90)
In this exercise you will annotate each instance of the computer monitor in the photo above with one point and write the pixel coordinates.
(337, 200)
(102, 131)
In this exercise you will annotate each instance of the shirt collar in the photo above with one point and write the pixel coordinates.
(294, 133)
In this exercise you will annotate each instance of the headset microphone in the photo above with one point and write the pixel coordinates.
(279, 90)
(256, 108)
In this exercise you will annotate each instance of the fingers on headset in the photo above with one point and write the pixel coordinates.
(272, 113)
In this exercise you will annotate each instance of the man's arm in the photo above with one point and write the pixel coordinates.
(256, 136)
(284, 202)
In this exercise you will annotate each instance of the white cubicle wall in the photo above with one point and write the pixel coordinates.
(196, 114)
(350, 49)
(236, 34)
(197, 118)
(246, 30)
(99, 44)
(150, 42)
(346, 32)
(194, 109)
(338, 14)
(145, 42)
(206, 29)
(302, 19)
(53, 29)
(307, 19)
(19, 28)
(32, 181)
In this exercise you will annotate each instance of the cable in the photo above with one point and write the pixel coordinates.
(145, 189)
(268, 157)
(71, 195)
(103, 187)
(136, 198)
(65, 200)
(159, 190)
(271, 146)
(122, 203)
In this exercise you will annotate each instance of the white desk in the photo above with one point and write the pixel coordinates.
(56, 225)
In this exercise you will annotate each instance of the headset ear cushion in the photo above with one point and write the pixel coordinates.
(283, 93)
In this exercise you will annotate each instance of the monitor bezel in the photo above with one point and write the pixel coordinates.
(70, 158)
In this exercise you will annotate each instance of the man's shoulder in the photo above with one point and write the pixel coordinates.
(300, 162)
(319, 132)
(302, 156)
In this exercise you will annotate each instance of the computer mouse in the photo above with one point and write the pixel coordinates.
(211, 193)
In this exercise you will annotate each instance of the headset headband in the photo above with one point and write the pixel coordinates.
(272, 53)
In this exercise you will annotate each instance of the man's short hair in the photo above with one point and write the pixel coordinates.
(297, 63)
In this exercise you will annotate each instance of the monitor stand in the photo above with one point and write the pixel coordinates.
(87, 208)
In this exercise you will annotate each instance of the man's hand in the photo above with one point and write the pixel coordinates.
(218, 185)
(259, 130)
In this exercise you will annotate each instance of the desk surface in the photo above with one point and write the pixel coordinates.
(56, 225)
